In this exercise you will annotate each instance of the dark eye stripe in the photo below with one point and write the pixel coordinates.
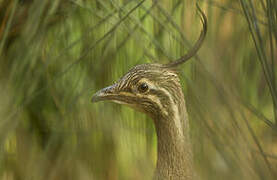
(161, 95)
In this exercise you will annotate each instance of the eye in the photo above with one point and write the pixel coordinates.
(143, 87)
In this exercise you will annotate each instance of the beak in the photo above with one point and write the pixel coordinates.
(104, 94)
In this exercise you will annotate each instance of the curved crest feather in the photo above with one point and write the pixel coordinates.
(196, 46)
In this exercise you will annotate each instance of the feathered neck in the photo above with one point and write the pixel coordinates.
(175, 157)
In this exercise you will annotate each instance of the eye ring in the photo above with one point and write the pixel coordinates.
(143, 87)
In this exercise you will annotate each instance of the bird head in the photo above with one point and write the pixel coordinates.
(147, 87)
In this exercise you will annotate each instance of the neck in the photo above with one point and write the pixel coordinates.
(175, 158)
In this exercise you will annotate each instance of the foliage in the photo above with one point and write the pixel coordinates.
(55, 54)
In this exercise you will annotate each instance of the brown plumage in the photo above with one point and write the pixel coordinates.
(155, 89)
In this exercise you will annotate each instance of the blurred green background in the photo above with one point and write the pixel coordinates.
(55, 54)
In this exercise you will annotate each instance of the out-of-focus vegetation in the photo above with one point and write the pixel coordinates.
(55, 54)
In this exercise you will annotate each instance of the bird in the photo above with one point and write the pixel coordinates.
(155, 90)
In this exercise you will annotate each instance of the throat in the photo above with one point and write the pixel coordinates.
(175, 158)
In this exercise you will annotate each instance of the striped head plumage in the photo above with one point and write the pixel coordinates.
(147, 87)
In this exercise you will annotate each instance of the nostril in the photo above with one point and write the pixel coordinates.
(109, 89)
